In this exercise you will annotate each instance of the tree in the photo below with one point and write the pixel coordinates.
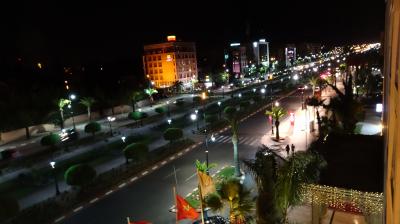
(79, 175)
(160, 110)
(136, 152)
(316, 103)
(50, 140)
(150, 92)
(211, 118)
(276, 113)
(8, 208)
(345, 108)
(88, 102)
(301, 168)
(177, 86)
(232, 193)
(232, 117)
(92, 127)
(61, 104)
(244, 105)
(135, 96)
(264, 170)
(136, 115)
(173, 134)
(313, 82)
(196, 100)
(202, 166)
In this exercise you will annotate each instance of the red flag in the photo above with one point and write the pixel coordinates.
(184, 210)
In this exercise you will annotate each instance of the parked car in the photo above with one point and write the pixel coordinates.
(68, 135)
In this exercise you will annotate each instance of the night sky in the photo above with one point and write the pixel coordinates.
(72, 33)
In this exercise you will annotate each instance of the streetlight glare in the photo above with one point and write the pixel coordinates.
(123, 138)
(196, 111)
(53, 164)
(277, 104)
(72, 96)
(213, 138)
(193, 117)
(219, 103)
(169, 121)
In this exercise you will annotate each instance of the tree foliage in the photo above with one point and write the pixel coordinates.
(79, 175)
(92, 127)
(173, 134)
(137, 152)
(50, 140)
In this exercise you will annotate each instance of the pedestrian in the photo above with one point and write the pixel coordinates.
(287, 149)
(292, 149)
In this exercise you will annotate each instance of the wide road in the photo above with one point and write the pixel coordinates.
(151, 196)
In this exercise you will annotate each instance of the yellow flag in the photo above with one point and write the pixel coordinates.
(206, 183)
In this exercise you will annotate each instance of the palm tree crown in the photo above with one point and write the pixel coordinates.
(88, 102)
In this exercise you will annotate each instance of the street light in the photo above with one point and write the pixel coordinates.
(53, 167)
(169, 121)
(194, 118)
(240, 95)
(123, 138)
(168, 111)
(254, 90)
(223, 91)
(219, 105)
(206, 139)
(72, 97)
(110, 119)
(276, 104)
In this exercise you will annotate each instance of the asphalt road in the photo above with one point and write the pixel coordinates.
(150, 197)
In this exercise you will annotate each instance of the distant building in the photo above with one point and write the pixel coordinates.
(236, 60)
(391, 112)
(168, 62)
(261, 52)
(290, 55)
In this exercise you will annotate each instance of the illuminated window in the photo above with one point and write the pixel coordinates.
(149, 58)
(150, 65)
(155, 71)
(159, 57)
(160, 71)
(159, 64)
(169, 58)
(155, 64)
(154, 58)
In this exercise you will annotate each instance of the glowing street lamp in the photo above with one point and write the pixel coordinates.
(169, 121)
(53, 167)
(110, 119)
(240, 95)
(193, 117)
(168, 111)
(72, 97)
(277, 104)
(123, 138)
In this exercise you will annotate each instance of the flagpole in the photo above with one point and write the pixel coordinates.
(176, 205)
(127, 219)
(201, 200)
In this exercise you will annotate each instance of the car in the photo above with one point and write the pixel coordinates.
(67, 135)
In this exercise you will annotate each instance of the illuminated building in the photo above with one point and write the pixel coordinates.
(261, 52)
(168, 62)
(290, 55)
(391, 119)
(236, 60)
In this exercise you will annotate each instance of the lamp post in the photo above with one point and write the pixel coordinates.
(168, 111)
(197, 120)
(206, 139)
(263, 92)
(53, 167)
(110, 119)
(169, 121)
(219, 109)
(193, 117)
(223, 92)
(240, 95)
(72, 97)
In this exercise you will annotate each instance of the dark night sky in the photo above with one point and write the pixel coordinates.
(115, 32)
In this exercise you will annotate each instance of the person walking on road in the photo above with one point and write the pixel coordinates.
(287, 149)
(292, 149)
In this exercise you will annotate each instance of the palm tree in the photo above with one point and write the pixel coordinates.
(264, 170)
(315, 102)
(345, 107)
(233, 195)
(177, 86)
(202, 166)
(276, 113)
(136, 95)
(301, 168)
(61, 104)
(88, 102)
(231, 116)
(313, 82)
(150, 92)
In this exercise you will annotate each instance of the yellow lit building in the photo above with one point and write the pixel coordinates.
(168, 62)
(391, 116)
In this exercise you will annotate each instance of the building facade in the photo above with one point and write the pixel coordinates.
(290, 55)
(236, 61)
(391, 115)
(260, 54)
(166, 63)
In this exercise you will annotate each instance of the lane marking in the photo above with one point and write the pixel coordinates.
(59, 219)
(93, 200)
(133, 179)
(172, 158)
(154, 167)
(145, 172)
(122, 185)
(108, 192)
(187, 150)
(179, 154)
(164, 162)
(190, 177)
(77, 209)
